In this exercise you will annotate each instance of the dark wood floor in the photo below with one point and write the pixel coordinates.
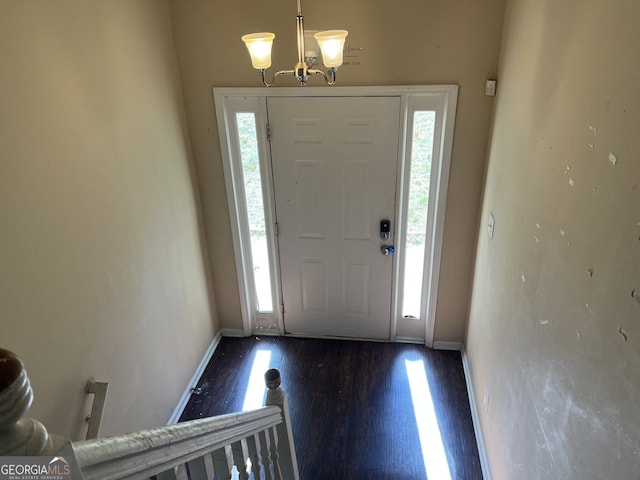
(351, 405)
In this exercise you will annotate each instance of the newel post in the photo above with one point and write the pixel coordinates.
(286, 448)
(20, 436)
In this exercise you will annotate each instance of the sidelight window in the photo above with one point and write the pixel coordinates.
(254, 204)
(415, 241)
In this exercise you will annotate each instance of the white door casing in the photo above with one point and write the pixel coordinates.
(441, 99)
(334, 170)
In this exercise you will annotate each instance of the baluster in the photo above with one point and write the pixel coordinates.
(253, 444)
(275, 457)
(245, 458)
(228, 453)
(285, 446)
(208, 464)
(20, 436)
(239, 450)
(265, 447)
(181, 472)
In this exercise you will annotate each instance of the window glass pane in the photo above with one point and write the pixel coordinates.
(255, 209)
(417, 208)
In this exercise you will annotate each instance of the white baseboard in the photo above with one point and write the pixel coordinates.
(186, 395)
(482, 452)
(232, 332)
(401, 339)
(458, 346)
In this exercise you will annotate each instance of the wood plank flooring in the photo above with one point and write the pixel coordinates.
(352, 411)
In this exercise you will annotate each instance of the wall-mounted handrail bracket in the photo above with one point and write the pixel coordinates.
(94, 419)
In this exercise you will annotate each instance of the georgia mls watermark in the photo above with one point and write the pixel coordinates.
(63, 466)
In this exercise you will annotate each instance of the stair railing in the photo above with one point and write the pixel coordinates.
(256, 444)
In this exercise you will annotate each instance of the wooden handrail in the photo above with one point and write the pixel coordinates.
(149, 452)
(262, 436)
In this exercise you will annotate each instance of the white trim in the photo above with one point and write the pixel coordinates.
(235, 205)
(186, 395)
(475, 416)
(443, 103)
(457, 346)
(334, 337)
(233, 332)
(397, 339)
(449, 112)
(360, 91)
(444, 98)
(397, 284)
(227, 106)
(401, 339)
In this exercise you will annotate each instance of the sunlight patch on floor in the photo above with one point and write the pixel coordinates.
(433, 454)
(256, 390)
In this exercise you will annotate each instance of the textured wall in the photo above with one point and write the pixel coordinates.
(404, 42)
(102, 268)
(554, 334)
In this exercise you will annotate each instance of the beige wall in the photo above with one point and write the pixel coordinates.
(554, 334)
(404, 42)
(101, 261)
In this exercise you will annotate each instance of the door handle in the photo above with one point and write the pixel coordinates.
(387, 249)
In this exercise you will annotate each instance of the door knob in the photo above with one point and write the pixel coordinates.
(387, 249)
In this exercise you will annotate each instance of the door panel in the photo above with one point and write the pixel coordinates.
(334, 171)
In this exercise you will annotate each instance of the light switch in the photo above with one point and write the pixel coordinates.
(490, 88)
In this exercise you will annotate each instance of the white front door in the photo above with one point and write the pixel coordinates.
(334, 173)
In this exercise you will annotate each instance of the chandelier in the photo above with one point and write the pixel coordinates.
(330, 43)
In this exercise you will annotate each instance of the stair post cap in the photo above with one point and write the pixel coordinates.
(272, 378)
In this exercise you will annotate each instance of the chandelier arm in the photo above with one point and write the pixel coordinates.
(329, 77)
(283, 72)
(273, 80)
(264, 80)
(318, 72)
(331, 73)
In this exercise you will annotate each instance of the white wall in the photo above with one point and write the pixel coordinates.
(554, 332)
(103, 272)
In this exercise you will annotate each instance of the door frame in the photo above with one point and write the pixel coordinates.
(227, 99)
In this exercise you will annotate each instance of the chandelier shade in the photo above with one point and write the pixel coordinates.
(259, 46)
(331, 45)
